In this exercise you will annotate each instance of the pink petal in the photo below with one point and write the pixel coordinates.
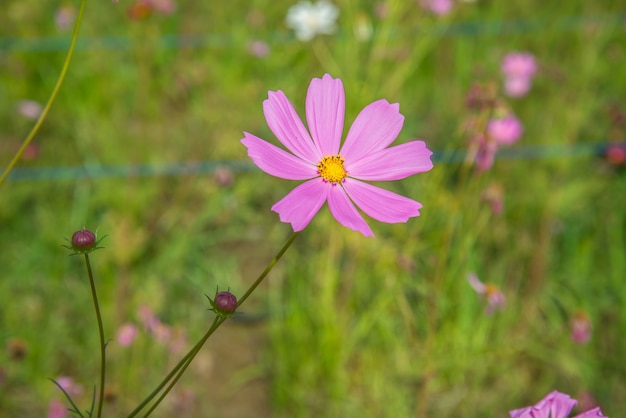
(286, 125)
(344, 211)
(561, 405)
(381, 204)
(393, 163)
(325, 108)
(522, 413)
(302, 203)
(377, 126)
(595, 412)
(476, 284)
(276, 161)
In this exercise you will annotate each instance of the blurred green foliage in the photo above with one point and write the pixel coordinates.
(344, 326)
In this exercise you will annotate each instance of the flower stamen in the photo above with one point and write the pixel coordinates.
(331, 169)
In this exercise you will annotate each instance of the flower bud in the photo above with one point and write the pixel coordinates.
(83, 240)
(224, 304)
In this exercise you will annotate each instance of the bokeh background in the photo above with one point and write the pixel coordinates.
(142, 144)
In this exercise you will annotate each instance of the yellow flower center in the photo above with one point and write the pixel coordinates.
(331, 169)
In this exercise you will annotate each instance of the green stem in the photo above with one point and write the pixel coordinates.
(182, 365)
(267, 269)
(53, 96)
(101, 333)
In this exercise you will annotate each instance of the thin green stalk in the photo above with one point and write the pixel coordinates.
(267, 269)
(52, 98)
(191, 355)
(182, 365)
(101, 333)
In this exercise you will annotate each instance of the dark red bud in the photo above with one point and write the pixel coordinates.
(83, 240)
(225, 302)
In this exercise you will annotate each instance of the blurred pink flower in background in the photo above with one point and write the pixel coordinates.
(554, 405)
(581, 327)
(164, 7)
(518, 69)
(259, 49)
(64, 17)
(147, 317)
(495, 298)
(438, 7)
(126, 334)
(333, 172)
(57, 409)
(517, 86)
(29, 109)
(161, 333)
(505, 130)
(615, 154)
(485, 154)
(68, 385)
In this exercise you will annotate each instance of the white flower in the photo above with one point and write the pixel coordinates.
(309, 19)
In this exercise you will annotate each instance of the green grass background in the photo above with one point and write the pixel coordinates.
(345, 326)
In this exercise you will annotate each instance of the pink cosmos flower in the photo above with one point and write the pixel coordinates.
(334, 172)
(553, 405)
(505, 130)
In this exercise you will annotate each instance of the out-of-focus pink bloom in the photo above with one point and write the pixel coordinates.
(581, 328)
(64, 17)
(162, 333)
(495, 298)
(586, 401)
(381, 10)
(57, 409)
(164, 7)
(615, 154)
(259, 49)
(333, 172)
(29, 109)
(517, 86)
(518, 69)
(519, 64)
(438, 7)
(223, 176)
(147, 317)
(126, 334)
(506, 130)
(485, 154)
(140, 9)
(68, 385)
(553, 405)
